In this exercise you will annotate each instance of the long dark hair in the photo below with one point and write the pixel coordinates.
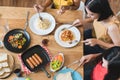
(101, 7)
(112, 55)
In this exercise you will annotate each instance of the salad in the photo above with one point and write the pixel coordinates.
(17, 40)
(57, 62)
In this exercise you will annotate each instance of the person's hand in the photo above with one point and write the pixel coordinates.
(87, 58)
(77, 22)
(38, 8)
(91, 42)
(62, 9)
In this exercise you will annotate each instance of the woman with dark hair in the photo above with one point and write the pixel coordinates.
(105, 33)
(108, 65)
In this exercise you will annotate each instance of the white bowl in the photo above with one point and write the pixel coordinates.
(56, 64)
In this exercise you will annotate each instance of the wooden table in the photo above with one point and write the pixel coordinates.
(16, 17)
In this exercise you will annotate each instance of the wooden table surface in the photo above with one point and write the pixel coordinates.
(16, 17)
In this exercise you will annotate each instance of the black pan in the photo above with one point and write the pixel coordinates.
(15, 31)
(42, 53)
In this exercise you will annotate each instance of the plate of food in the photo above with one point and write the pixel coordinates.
(67, 74)
(67, 37)
(57, 62)
(17, 40)
(44, 26)
(6, 65)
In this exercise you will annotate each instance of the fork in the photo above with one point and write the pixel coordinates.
(75, 62)
(73, 41)
(69, 27)
(39, 13)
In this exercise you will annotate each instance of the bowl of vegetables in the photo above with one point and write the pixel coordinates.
(57, 62)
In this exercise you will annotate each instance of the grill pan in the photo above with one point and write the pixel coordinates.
(41, 52)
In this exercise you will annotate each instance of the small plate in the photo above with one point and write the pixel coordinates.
(75, 32)
(38, 31)
(58, 60)
(75, 75)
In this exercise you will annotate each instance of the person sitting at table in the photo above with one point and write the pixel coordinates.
(62, 5)
(106, 31)
(107, 65)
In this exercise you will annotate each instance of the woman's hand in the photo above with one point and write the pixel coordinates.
(63, 9)
(77, 22)
(91, 42)
(38, 8)
(88, 58)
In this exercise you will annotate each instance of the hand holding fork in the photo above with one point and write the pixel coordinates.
(39, 9)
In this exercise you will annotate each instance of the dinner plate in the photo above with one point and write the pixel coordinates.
(11, 66)
(34, 21)
(75, 32)
(75, 75)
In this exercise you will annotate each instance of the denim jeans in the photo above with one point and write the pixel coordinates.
(90, 50)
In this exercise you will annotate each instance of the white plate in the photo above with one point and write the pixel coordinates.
(75, 32)
(38, 31)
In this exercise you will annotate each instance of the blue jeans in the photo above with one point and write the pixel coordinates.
(91, 49)
(88, 67)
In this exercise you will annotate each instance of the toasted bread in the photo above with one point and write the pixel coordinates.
(3, 57)
(2, 72)
(4, 64)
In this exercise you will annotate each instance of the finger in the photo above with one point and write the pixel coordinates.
(87, 43)
(83, 41)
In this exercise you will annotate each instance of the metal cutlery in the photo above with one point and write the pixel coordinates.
(67, 27)
(74, 41)
(38, 12)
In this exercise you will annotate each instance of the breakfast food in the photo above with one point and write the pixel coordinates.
(43, 24)
(64, 76)
(36, 61)
(30, 64)
(4, 65)
(3, 57)
(38, 58)
(32, 61)
(67, 35)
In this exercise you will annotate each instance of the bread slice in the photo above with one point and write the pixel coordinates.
(2, 72)
(7, 69)
(3, 57)
(4, 64)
